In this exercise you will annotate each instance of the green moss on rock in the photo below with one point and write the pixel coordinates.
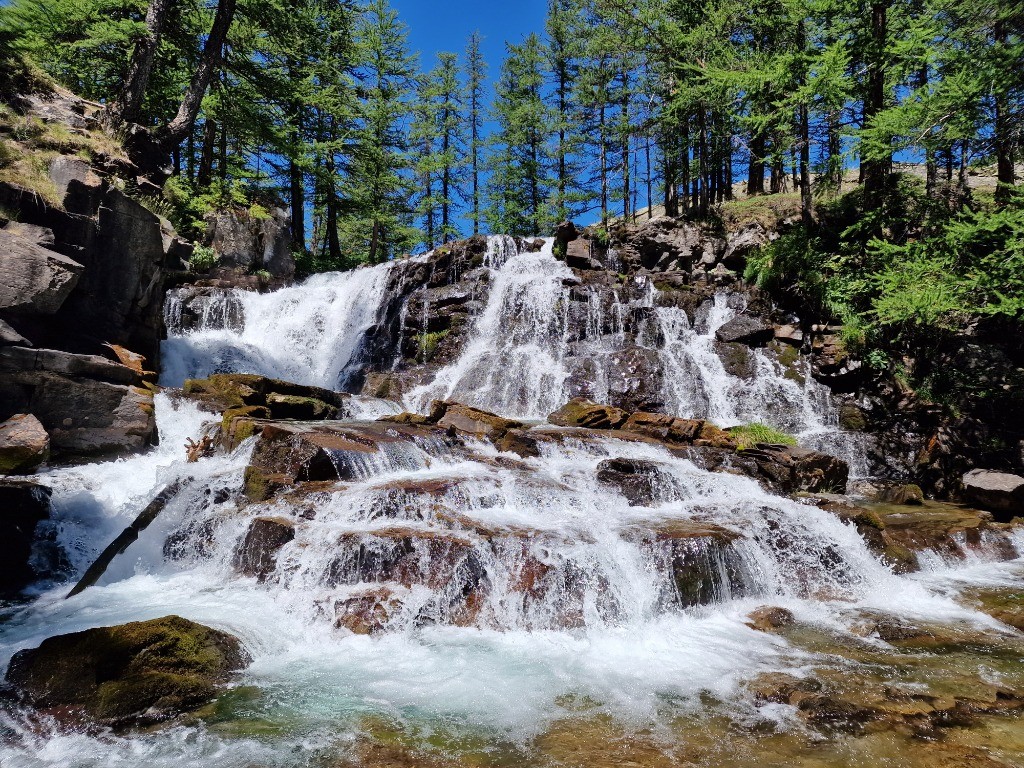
(132, 674)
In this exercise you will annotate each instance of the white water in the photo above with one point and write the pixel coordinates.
(604, 620)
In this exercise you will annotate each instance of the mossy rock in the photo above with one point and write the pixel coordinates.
(226, 390)
(299, 407)
(131, 674)
(852, 418)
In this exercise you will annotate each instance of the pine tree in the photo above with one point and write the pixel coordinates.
(520, 183)
(476, 76)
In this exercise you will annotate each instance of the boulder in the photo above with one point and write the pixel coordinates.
(257, 554)
(768, 618)
(744, 329)
(636, 379)
(21, 359)
(282, 399)
(299, 407)
(132, 674)
(23, 505)
(580, 412)
(998, 492)
(36, 279)
(910, 495)
(24, 445)
(473, 421)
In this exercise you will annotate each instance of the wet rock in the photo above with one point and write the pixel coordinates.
(1005, 605)
(635, 379)
(473, 421)
(638, 480)
(445, 562)
(367, 611)
(257, 554)
(788, 469)
(519, 441)
(282, 399)
(769, 618)
(744, 329)
(701, 564)
(132, 674)
(36, 279)
(23, 505)
(909, 495)
(580, 412)
(737, 360)
(24, 445)
(998, 492)
(671, 429)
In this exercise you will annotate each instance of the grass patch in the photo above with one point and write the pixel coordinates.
(429, 343)
(749, 435)
(766, 210)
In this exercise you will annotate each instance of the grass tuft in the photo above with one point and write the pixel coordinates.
(749, 435)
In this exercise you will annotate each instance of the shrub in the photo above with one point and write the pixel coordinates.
(203, 259)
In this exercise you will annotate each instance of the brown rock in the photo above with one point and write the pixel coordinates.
(769, 618)
(367, 611)
(24, 445)
(580, 412)
(473, 421)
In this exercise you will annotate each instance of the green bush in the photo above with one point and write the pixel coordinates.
(749, 435)
(203, 259)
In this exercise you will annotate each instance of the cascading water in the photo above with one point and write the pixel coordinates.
(512, 593)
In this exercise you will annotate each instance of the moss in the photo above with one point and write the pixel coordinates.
(429, 342)
(852, 418)
(299, 407)
(749, 435)
(143, 671)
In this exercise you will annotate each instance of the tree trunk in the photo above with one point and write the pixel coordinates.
(298, 204)
(876, 170)
(126, 106)
(209, 62)
(1005, 176)
(205, 175)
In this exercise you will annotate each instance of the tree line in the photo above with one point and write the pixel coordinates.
(616, 106)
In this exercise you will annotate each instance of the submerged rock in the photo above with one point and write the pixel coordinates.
(132, 674)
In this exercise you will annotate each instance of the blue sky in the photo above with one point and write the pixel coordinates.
(446, 25)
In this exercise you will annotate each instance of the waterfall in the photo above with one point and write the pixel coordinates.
(504, 593)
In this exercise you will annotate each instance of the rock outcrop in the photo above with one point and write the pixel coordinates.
(129, 675)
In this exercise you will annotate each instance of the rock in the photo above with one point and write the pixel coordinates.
(740, 244)
(579, 254)
(519, 441)
(41, 236)
(367, 611)
(473, 421)
(703, 566)
(580, 412)
(790, 334)
(769, 618)
(36, 279)
(23, 505)
(24, 445)
(11, 338)
(671, 429)
(999, 492)
(257, 555)
(788, 469)
(77, 184)
(83, 416)
(635, 379)
(902, 494)
(298, 407)
(636, 479)
(20, 359)
(744, 329)
(132, 674)
(249, 242)
(119, 298)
